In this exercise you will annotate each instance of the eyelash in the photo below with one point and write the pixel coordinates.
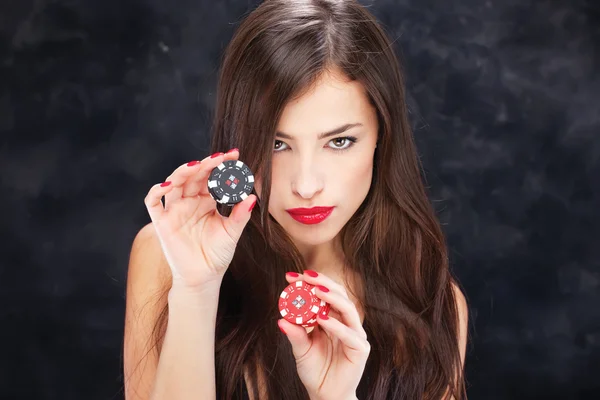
(350, 139)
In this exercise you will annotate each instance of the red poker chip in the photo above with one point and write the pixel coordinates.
(299, 304)
(324, 310)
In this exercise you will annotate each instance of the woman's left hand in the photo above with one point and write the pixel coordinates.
(331, 359)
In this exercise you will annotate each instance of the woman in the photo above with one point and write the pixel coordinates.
(312, 95)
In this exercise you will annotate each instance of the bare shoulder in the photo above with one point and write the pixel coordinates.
(461, 301)
(148, 272)
(148, 279)
(463, 319)
(147, 240)
(147, 263)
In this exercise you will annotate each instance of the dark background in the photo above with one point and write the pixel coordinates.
(101, 99)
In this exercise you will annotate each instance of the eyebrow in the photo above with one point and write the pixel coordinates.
(323, 135)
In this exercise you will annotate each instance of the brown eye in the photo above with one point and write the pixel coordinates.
(275, 147)
(338, 140)
(347, 142)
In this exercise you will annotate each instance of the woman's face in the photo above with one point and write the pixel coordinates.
(334, 171)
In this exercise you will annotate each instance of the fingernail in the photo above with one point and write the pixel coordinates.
(323, 288)
(323, 316)
(252, 206)
(292, 274)
(232, 150)
(216, 155)
(192, 163)
(281, 329)
(167, 183)
(312, 273)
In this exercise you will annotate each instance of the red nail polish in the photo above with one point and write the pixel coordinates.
(216, 155)
(281, 329)
(323, 316)
(167, 183)
(292, 274)
(252, 206)
(323, 288)
(192, 163)
(312, 273)
(232, 150)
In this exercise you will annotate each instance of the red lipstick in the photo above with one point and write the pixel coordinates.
(310, 216)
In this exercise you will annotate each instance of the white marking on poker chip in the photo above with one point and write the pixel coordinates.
(225, 199)
(221, 166)
(284, 295)
(284, 313)
(250, 178)
(239, 164)
(315, 309)
(243, 196)
(212, 184)
(299, 283)
(299, 321)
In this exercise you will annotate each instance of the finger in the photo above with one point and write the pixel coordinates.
(341, 302)
(235, 223)
(317, 278)
(194, 185)
(292, 277)
(344, 307)
(299, 339)
(356, 348)
(153, 201)
(179, 176)
(182, 173)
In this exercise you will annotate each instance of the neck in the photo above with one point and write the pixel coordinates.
(323, 257)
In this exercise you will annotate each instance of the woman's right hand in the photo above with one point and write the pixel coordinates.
(197, 241)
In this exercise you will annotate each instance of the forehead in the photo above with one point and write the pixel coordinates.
(331, 102)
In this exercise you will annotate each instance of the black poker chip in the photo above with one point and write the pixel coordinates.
(230, 182)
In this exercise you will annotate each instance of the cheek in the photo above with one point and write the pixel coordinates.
(273, 195)
(357, 175)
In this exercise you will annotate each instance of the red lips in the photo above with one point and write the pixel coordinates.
(309, 211)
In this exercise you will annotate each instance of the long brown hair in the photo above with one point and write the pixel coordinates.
(394, 242)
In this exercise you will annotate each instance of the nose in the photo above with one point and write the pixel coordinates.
(308, 179)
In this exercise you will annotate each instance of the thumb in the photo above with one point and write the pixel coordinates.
(297, 336)
(239, 217)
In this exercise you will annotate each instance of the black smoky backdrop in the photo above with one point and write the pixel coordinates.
(99, 100)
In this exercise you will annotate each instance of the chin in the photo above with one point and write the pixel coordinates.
(312, 235)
